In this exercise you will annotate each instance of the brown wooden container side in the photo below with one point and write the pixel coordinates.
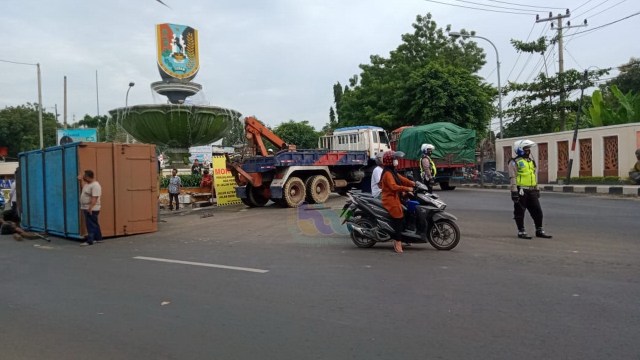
(127, 174)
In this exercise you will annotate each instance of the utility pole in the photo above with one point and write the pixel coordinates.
(563, 94)
(97, 96)
(64, 118)
(559, 28)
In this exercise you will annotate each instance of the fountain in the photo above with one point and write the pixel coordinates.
(177, 125)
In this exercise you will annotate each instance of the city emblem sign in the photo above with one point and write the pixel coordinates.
(177, 51)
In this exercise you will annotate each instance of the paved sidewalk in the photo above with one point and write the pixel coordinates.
(626, 190)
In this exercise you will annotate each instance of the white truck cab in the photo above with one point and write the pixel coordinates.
(372, 139)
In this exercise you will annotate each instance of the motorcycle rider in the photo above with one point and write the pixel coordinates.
(524, 189)
(393, 185)
(427, 166)
(375, 177)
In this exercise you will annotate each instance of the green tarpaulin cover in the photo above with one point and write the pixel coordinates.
(454, 145)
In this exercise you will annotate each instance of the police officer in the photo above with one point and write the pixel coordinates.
(427, 166)
(524, 189)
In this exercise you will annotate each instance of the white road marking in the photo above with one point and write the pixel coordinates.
(201, 264)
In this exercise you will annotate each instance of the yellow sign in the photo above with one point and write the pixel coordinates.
(223, 182)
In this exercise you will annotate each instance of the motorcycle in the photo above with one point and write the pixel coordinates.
(425, 220)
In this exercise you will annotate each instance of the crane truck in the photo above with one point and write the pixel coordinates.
(290, 176)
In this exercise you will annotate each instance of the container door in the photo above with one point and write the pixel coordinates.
(31, 171)
(54, 190)
(137, 193)
(71, 194)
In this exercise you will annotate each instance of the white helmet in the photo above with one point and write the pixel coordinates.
(379, 158)
(425, 148)
(519, 145)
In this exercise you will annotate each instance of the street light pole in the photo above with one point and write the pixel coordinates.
(40, 107)
(126, 103)
(457, 34)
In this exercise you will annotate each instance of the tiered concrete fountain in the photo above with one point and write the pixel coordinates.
(176, 125)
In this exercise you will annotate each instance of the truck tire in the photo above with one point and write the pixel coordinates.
(318, 189)
(294, 192)
(256, 197)
(444, 185)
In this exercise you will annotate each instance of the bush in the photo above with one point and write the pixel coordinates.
(598, 180)
(187, 181)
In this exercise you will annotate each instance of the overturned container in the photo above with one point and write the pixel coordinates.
(50, 189)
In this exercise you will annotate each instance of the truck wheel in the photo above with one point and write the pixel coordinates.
(294, 192)
(246, 202)
(318, 189)
(444, 185)
(256, 197)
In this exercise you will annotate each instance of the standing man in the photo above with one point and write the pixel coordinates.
(427, 166)
(90, 205)
(376, 176)
(175, 183)
(634, 174)
(524, 189)
(196, 168)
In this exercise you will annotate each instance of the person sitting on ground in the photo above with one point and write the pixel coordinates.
(207, 180)
(634, 174)
(10, 224)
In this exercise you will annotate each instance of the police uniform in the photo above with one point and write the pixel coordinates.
(525, 195)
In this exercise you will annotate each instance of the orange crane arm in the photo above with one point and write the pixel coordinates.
(254, 131)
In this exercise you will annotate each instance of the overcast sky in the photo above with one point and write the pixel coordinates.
(275, 59)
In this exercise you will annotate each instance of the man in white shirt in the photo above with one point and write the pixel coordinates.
(376, 175)
(90, 205)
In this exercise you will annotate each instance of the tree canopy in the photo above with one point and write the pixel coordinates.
(20, 129)
(545, 104)
(629, 77)
(429, 77)
(301, 134)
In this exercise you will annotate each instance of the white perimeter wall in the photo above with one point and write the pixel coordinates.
(628, 141)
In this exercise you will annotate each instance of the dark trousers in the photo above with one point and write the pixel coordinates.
(171, 198)
(93, 227)
(529, 201)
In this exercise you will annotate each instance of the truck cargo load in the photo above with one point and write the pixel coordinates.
(454, 149)
(454, 144)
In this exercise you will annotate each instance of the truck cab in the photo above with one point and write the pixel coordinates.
(371, 139)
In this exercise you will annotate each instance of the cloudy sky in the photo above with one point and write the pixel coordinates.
(275, 59)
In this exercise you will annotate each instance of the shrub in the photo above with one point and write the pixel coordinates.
(598, 180)
(187, 181)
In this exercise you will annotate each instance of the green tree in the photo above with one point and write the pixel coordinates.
(301, 134)
(428, 78)
(621, 109)
(544, 105)
(96, 122)
(629, 77)
(20, 129)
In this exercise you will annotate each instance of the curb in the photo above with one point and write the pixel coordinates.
(624, 190)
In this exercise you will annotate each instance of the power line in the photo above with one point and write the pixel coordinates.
(475, 8)
(576, 9)
(598, 13)
(574, 59)
(16, 62)
(607, 24)
(520, 52)
(494, 6)
(584, 12)
(524, 5)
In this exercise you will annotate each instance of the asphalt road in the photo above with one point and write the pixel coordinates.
(299, 289)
